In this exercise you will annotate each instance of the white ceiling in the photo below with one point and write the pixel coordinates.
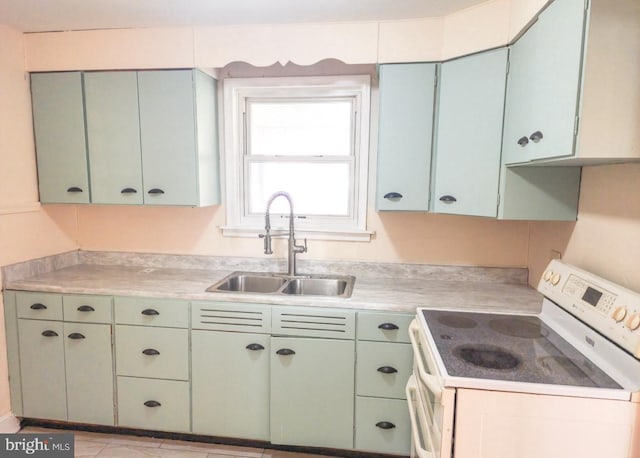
(55, 15)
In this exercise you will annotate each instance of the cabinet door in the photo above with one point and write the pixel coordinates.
(544, 85)
(113, 137)
(89, 371)
(230, 374)
(42, 369)
(58, 124)
(405, 132)
(312, 392)
(168, 137)
(469, 134)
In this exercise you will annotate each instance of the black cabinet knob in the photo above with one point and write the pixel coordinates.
(150, 312)
(49, 333)
(129, 191)
(75, 336)
(150, 352)
(387, 370)
(523, 141)
(156, 191)
(393, 196)
(536, 136)
(38, 306)
(388, 327)
(152, 404)
(86, 308)
(74, 189)
(285, 352)
(448, 199)
(254, 347)
(385, 425)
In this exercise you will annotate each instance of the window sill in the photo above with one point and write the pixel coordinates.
(344, 236)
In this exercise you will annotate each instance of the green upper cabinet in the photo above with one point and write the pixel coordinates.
(544, 85)
(407, 96)
(178, 136)
(113, 133)
(58, 118)
(468, 137)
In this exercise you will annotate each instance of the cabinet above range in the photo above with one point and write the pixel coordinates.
(146, 137)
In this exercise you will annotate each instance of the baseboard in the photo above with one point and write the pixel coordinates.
(9, 424)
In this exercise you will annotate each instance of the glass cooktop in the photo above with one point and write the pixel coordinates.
(518, 348)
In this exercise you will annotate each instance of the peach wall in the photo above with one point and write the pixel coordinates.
(606, 238)
(26, 230)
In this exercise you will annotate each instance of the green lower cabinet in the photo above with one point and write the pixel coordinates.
(382, 425)
(312, 392)
(42, 369)
(230, 384)
(153, 404)
(89, 373)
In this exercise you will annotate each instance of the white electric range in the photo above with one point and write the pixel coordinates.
(564, 382)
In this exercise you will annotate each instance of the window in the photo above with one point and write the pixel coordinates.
(307, 136)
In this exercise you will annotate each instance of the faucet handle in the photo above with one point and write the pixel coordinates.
(267, 242)
(300, 248)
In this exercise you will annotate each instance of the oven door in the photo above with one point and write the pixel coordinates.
(431, 406)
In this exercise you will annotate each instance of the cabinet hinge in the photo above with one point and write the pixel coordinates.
(508, 64)
(576, 126)
(498, 203)
(586, 5)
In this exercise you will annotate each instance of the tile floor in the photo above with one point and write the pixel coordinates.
(102, 445)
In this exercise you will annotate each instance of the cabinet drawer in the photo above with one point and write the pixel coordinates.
(382, 369)
(384, 327)
(235, 317)
(313, 322)
(152, 312)
(42, 306)
(90, 309)
(153, 404)
(383, 425)
(152, 352)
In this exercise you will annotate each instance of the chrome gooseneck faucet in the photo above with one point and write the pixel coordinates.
(293, 248)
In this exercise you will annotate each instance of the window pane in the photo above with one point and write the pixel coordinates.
(315, 188)
(300, 128)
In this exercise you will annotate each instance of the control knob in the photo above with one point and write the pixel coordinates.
(547, 275)
(633, 322)
(619, 313)
(555, 279)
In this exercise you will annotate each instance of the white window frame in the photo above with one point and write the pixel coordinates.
(236, 91)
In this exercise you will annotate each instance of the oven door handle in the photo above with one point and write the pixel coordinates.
(413, 397)
(430, 380)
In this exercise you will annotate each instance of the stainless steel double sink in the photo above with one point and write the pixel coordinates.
(277, 283)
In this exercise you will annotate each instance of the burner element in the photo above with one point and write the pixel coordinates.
(457, 321)
(488, 356)
(524, 327)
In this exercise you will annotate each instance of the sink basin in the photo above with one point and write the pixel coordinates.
(274, 283)
(317, 287)
(249, 283)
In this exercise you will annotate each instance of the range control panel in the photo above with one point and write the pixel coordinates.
(608, 308)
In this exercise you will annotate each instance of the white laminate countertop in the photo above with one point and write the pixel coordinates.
(382, 287)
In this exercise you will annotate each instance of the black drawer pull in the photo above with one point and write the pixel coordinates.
(128, 191)
(74, 189)
(86, 308)
(388, 327)
(387, 370)
(150, 312)
(536, 136)
(150, 352)
(152, 404)
(448, 199)
(49, 333)
(393, 195)
(38, 306)
(156, 191)
(285, 352)
(523, 141)
(254, 347)
(75, 336)
(385, 425)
